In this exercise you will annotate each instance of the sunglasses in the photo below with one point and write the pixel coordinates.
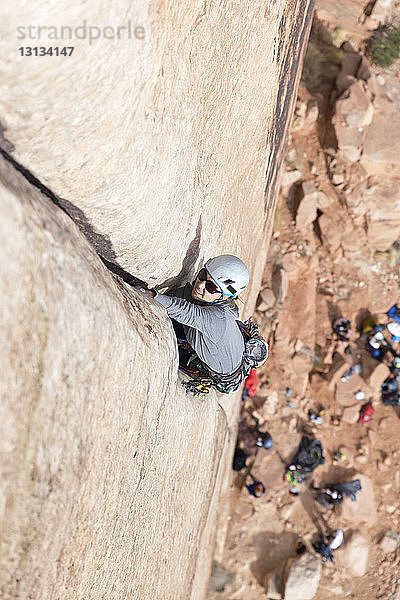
(210, 286)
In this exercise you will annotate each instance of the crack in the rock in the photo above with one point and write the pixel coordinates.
(100, 243)
(4, 142)
(125, 275)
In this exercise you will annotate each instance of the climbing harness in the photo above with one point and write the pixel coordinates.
(255, 353)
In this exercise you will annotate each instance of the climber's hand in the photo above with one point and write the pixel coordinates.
(149, 292)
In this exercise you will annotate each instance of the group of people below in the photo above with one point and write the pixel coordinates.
(333, 493)
(382, 343)
(250, 441)
(308, 457)
(216, 350)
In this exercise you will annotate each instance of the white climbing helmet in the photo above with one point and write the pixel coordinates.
(229, 273)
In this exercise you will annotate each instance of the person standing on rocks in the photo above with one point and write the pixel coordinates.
(325, 548)
(328, 497)
(256, 488)
(213, 345)
(251, 439)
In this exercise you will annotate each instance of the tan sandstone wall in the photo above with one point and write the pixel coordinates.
(165, 151)
(107, 467)
(166, 134)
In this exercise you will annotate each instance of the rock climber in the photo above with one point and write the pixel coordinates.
(300, 547)
(316, 417)
(212, 343)
(394, 366)
(377, 345)
(394, 329)
(347, 488)
(394, 312)
(264, 440)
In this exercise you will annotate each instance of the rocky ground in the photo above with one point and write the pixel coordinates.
(334, 252)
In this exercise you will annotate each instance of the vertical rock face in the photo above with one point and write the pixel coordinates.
(159, 141)
(165, 131)
(107, 468)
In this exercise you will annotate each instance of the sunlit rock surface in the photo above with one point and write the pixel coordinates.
(107, 466)
(169, 132)
(164, 149)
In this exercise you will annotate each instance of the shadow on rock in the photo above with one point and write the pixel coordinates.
(187, 272)
(220, 578)
(362, 315)
(272, 550)
(314, 513)
(334, 312)
(337, 474)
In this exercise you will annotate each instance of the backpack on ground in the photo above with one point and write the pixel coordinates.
(309, 454)
(366, 413)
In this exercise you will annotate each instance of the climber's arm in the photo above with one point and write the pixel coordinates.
(187, 313)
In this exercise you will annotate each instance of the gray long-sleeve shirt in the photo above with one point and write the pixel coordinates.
(210, 329)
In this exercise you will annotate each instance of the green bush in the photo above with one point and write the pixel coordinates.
(384, 47)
